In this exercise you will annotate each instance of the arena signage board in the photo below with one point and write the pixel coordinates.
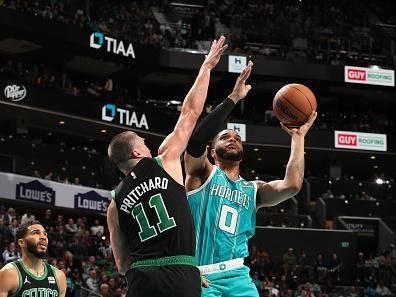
(366, 229)
(98, 40)
(124, 117)
(37, 190)
(15, 92)
(236, 63)
(369, 76)
(360, 141)
(91, 201)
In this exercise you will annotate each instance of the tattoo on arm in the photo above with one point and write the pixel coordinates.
(295, 167)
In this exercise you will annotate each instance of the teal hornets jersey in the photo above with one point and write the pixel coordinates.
(224, 213)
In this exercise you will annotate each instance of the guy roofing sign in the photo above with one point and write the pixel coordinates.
(369, 76)
(360, 141)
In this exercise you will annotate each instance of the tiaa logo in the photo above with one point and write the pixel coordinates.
(15, 93)
(112, 45)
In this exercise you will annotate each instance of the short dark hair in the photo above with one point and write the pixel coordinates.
(23, 228)
(216, 138)
(121, 146)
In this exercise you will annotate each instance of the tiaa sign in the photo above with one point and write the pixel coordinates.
(111, 45)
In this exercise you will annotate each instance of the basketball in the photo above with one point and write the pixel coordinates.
(293, 104)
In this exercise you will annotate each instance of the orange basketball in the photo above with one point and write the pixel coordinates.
(293, 104)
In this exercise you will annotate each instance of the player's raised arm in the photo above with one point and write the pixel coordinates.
(175, 143)
(277, 191)
(197, 165)
(193, 103)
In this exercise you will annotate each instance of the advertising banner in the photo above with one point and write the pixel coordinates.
(14, 92)
(91, 201)
(12, 89)
(36, 192)
(366, 230)
(124, 117)
(360, 141)
(236, 63)
(20, 187)
(115, 46)
(369, 76)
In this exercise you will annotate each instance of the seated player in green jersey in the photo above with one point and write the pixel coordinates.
(31, 276)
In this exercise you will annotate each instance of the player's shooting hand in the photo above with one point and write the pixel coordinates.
(302, 131)
(205, 282)
(241, 89)
(217, 49)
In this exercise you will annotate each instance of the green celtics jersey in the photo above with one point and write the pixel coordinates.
(36, 286)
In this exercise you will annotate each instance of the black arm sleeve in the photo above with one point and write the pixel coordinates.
(209, 127)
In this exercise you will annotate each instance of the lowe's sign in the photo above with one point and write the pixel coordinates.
(35, 191)
(124, 117)
(91, 201)
(111, 45)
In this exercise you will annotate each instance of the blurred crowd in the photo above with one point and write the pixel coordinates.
(130, 20)
(295, 275)
(328, 119)
(79, 245)
(52, 158)
(49, 77)
(330, 32)
(45, 76)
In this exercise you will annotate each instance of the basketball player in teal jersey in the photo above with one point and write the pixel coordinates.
(224, 205)
(31, 276)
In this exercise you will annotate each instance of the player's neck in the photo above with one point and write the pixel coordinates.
(231, 168)
(33, 264)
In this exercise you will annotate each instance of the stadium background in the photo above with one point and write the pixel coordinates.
(73, 73)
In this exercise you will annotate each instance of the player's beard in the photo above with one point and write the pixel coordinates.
(32, 248)
(231, 156)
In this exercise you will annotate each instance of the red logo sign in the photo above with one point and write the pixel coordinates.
(357, 74)
(347, 139)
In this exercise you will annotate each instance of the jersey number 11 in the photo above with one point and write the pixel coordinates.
(148, 231)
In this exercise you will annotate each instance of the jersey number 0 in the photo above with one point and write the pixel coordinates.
(228, 219)
(148, 231)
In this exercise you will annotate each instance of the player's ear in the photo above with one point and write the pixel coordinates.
(136, 153)
(21, 242)
(212, 153)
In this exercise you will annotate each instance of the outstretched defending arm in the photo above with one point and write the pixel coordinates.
(277, 191)
(175, 143)
(197, 164)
